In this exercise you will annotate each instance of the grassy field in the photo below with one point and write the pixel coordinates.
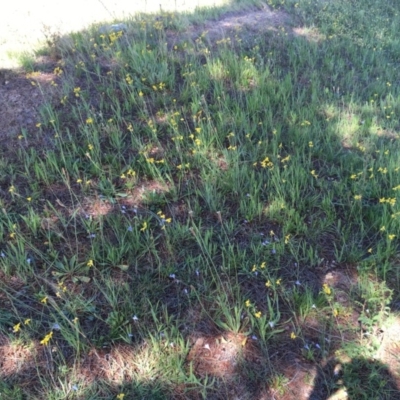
(25, 23)
(208, 213)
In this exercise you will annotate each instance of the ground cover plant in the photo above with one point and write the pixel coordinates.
(208, 210)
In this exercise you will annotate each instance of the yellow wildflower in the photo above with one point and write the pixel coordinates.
(258, 314)
(293, 336)
(326, 289)
(144, 226)
(46, 339)
(58, 71)
(17, 327)
(27, 321)
(128, 79)
(247, 303)
(391, 201)
(44, 300)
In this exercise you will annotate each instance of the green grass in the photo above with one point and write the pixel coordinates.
(196, 187)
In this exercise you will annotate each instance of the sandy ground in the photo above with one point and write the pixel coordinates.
(24, 22)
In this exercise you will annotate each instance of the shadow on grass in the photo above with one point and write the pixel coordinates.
(360, 378)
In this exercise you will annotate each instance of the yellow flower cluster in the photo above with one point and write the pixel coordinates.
(17, 327)
(46, 339)
(266, 163)
(162, 216)
(262, 266)
(183, 166)
(61, 289)
(391, 201)
(130, 173)
(268, 284)
(382, 170)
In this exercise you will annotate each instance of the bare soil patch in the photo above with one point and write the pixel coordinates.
(21, 97)
(258, 21)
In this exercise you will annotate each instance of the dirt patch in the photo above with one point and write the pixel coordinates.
(217, 356)
(253, 22)
(21, 97)
(256, 21)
